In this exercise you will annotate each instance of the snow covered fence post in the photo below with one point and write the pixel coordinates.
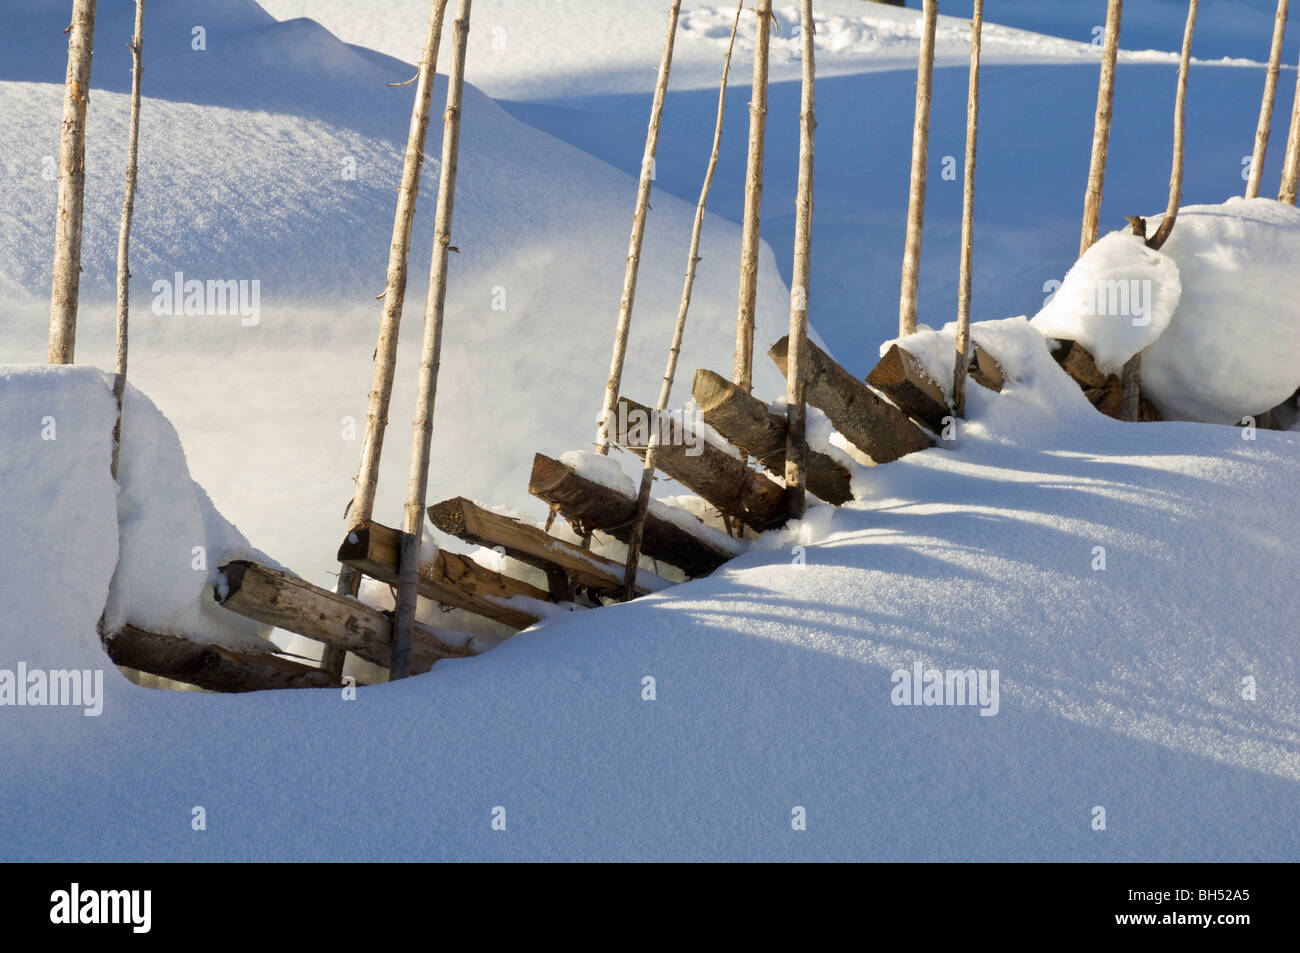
(1264, 129)
(1291, 167)
(1101, 127)
(920, 156)
(361, 508)
(430, 355)
(72, 184)
(638, 232)
(743, 375)
(670, 372)
(124, 235)
(796, 448)
(968, 217)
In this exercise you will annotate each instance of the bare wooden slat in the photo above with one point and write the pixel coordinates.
(863, 417)
(900, 377)
(589, 505)
(281, 599)
(748, 424)
(714, 475)
(210, 666)
(986, 371)
(450, 580)
(466, 520)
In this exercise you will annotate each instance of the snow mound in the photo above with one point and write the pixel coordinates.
(161, 531)
(1117, 299)
(1233, 348)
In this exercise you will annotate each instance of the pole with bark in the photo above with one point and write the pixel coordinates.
(1132, 375)
(1264, 129)
(1101, 127)
(1291, 167)
(743, 375)
(430, 355)
(65, 287)
(361, 507)
(670, 372)
(966, 269)
(124, 235)
(614, 381)
(907, 300)
(796, 447)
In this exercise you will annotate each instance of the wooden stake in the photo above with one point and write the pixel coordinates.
(1101, 127)
(362, 506)
(1264, 129)
(749, 240)
(920, 158)
(796, 447)
(615, 380)
(1157, 240)
(1291, 167)
(966, 269)
(674, 350)
(430, 355)
(124, 234)
(72, 185)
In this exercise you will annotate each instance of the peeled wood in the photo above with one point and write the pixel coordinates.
(465, 520)
(277, 598)
(986, 371)
(1264, 130)
(748, 424)
(1101, 127)
(210, 666)
(966, 268)
(65, 288)
(714, 475)
(590, 506)
(1157, 240)
(749, 237)
(1291, 166)
(863, 417)
(417, 484)
(615, 379)
(451, 580)
(907, 300)
(902, 379)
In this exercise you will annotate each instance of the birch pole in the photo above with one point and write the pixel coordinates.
(796, 449)
(614, 381)
(1264, 129)
(361, 507)
(1101, 127)
(1291, 167)
(743, 374)
(670, 372)
(430, 355)
(124, 235)
(920, 158)
(64, 289)
(966, 269)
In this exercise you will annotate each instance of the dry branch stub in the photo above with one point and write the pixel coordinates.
(748, 424)
(714, 475)
(863, 417)
(589, 506)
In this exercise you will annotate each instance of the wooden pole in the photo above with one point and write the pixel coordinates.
(1264, 129)
(615, 380)
(1157, 240)
(66, 284)
(124, 234)
(1101, 127)
(430, 355)
(361, 508)
(670, 372)
(907, 307)
(1291, 167)
(966, 269)
(743, 375)
(796, 447)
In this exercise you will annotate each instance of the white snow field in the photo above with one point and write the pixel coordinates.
(1129, 590)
